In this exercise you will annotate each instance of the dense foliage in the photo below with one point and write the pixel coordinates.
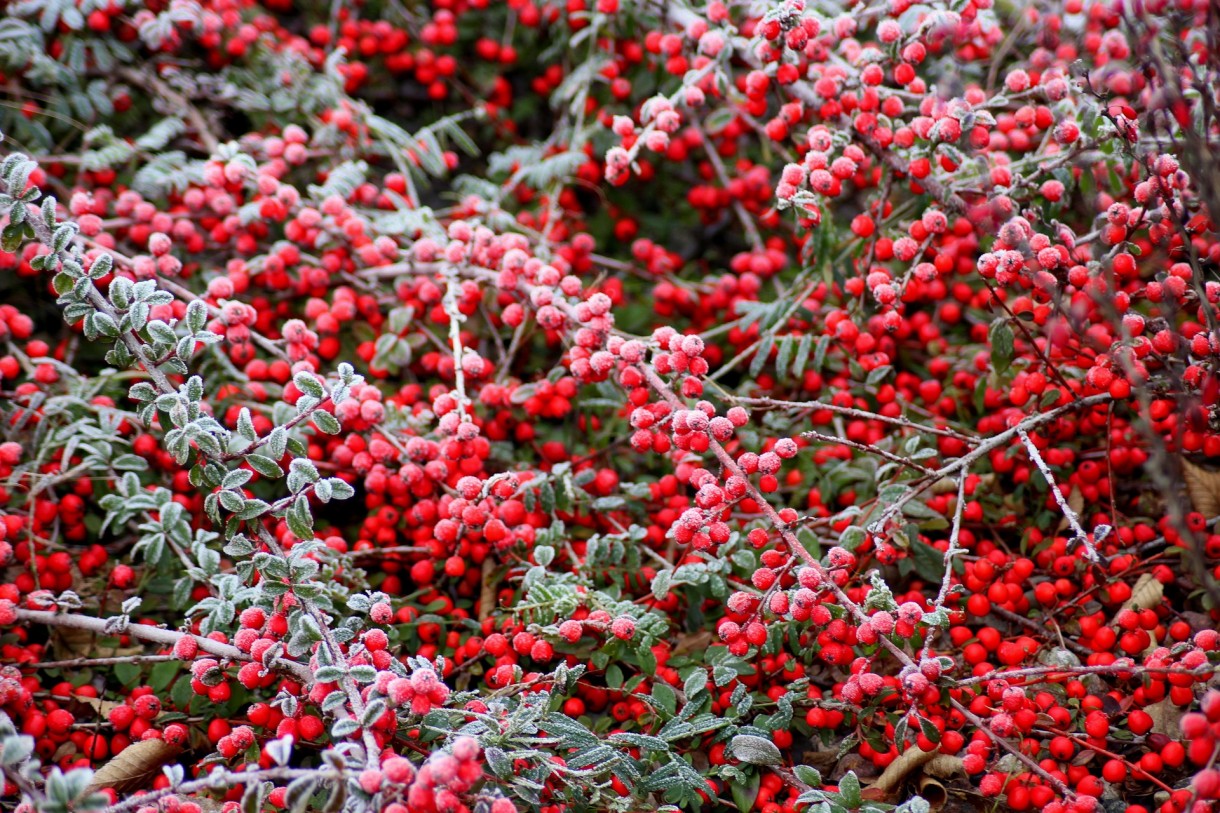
(610, 405)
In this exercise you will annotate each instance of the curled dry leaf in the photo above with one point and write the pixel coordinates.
(931, 770)
(933, 782)
(694, 642)
(68, 643)
(932, 791)
(943, 766)
(135, 766)
(897, 771)
(1203, 486)
(92, 707)
(945, 485)
(1166, 717)
(1075, 501)
(1146, 594)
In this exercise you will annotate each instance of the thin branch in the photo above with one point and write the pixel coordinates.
(1062, 789)
(156, 635)
(1083, 538)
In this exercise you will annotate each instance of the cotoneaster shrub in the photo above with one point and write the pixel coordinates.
(456, 406)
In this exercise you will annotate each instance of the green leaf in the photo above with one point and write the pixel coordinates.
(162, 674)
(372, 712)
(182, 694)
(1001, 339)
(852, 537)
(239, 546)
(326, 422)
(127, 673)
(784, 354)
(661, 584)
(761, 356)
(849, 790)
(309, 384)
(264, 466)
(344, 728)
(810, 776)
(328, 674)
(744, 793)
(929, 729)
(666, 696)
(929, 562)
(300, 794)
(695, 684)
(277, 443)
(877, 375)
(756, 750)
(819, 352)
(902, 733)
(802, 355)
(129, 462)
(12, 237)
(300, 519)
(921, 511)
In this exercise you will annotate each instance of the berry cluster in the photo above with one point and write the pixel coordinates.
(582, 406)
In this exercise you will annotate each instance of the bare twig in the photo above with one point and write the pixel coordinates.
(1073, 521)
(156, 635)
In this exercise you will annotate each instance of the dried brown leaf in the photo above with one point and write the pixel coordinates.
(1203, 486)
(1145, 595)
(693, 643)
(931, 769)
(945, 485)
(863, 768)
(68, 643)
(1075, 501)
(92, 707)
(1166, 717)
(932, 791)
(874, 795)
(943, 766)
(135, 766)
(897, 771)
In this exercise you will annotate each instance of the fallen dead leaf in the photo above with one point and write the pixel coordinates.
(693, 643)
(932, 791)
(134, 767)
(68, 643)
(945, 485)
(1145, 595)
(66, 749)
(863, 768)
(897, 771)
(943, 766)
(1075, 501)
(930, 769)
(94, 707)
(1203, 486)
(1166, 717)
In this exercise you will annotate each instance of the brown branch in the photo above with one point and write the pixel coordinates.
(157, 635)
(981, 724)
